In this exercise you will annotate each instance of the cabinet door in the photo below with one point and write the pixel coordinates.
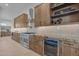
(38, 47)
(42, 15)
(76, 49)
(37, 16)
(16, 37)
(73, 17)
(45, 10)
(36, 44)
(21, 21)
(68, 50)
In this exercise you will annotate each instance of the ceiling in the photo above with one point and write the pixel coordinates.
(9, 11)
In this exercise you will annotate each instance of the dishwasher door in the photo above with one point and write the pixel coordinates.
(51, 47)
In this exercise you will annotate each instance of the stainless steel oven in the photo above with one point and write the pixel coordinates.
(24, 39)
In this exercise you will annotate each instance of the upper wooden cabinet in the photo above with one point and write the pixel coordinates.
(66, 13)
(21, 21)
(42, 15)
(56, 14)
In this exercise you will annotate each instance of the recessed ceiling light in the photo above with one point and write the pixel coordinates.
(6, 4)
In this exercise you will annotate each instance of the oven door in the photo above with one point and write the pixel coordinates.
(25, 41)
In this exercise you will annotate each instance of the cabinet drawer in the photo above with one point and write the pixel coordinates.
(36, 38)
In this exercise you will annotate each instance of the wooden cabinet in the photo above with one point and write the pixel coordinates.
(21, 21)
(77, 49)
(3, 34)
(69, 48)
(16, 37)
(42, 15)
(36, 44)
(48, 14)
(75, 17)
(66, 13)
(5, 31)
(37, 19)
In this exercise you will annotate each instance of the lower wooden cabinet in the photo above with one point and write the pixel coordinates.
(3, 34)
(76, 49)
(69, 49)
(37, 44)
(37, 48)
(16, 37)
(66, 48)
(77, 52)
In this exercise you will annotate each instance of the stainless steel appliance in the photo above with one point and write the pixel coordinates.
(51, 46)
(24, 39)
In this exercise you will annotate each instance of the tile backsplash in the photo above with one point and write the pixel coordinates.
(61, 31)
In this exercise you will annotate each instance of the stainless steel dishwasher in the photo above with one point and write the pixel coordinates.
(51, 46)
(24, 39)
